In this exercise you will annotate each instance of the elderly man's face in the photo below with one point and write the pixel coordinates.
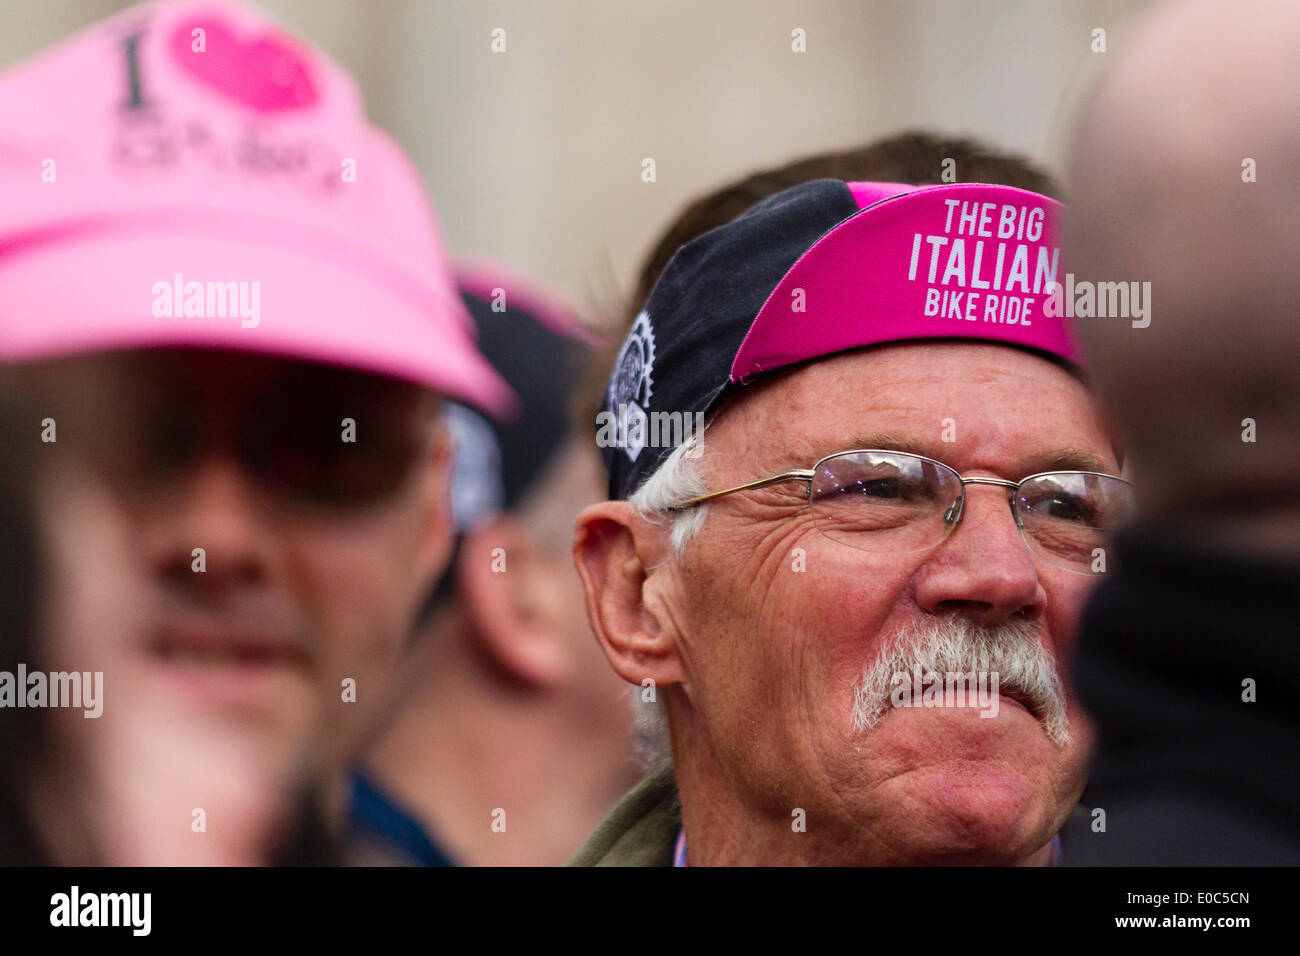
(772, 644)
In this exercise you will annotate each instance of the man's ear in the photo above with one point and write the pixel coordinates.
(506, 584)
(616, 549)
(435, 550)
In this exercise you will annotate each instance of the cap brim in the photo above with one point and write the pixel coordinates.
(102, 291)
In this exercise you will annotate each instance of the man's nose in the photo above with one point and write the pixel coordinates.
(212, 507)
(983, 568)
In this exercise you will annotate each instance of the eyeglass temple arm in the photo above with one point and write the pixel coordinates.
(797, 474)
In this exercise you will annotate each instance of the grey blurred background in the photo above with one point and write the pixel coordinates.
(534, 156)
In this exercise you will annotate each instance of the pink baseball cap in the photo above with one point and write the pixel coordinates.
(187, 174)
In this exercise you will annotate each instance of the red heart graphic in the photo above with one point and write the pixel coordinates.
(267, 73)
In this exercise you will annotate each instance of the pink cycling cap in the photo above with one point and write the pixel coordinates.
(188, 174)
(822, 268)
(970, 261)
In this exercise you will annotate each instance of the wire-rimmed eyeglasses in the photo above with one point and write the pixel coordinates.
(892, 502)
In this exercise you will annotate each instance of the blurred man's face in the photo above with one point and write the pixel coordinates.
(316, 549)
(774, 644)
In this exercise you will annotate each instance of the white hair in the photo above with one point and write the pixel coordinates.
(681, 476)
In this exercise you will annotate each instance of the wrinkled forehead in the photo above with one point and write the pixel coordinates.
(976, 401)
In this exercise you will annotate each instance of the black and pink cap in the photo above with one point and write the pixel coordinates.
(822, 268)
(535, 340)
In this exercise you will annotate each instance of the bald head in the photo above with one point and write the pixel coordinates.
(1159, 193)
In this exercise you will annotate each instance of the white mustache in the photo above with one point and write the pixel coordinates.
(1013, 651)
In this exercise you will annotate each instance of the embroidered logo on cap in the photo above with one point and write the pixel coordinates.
(631, 385)
(267, 72)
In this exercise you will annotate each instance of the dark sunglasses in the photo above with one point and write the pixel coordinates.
(318, 436)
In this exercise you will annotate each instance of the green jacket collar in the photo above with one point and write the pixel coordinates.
(641, 830)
